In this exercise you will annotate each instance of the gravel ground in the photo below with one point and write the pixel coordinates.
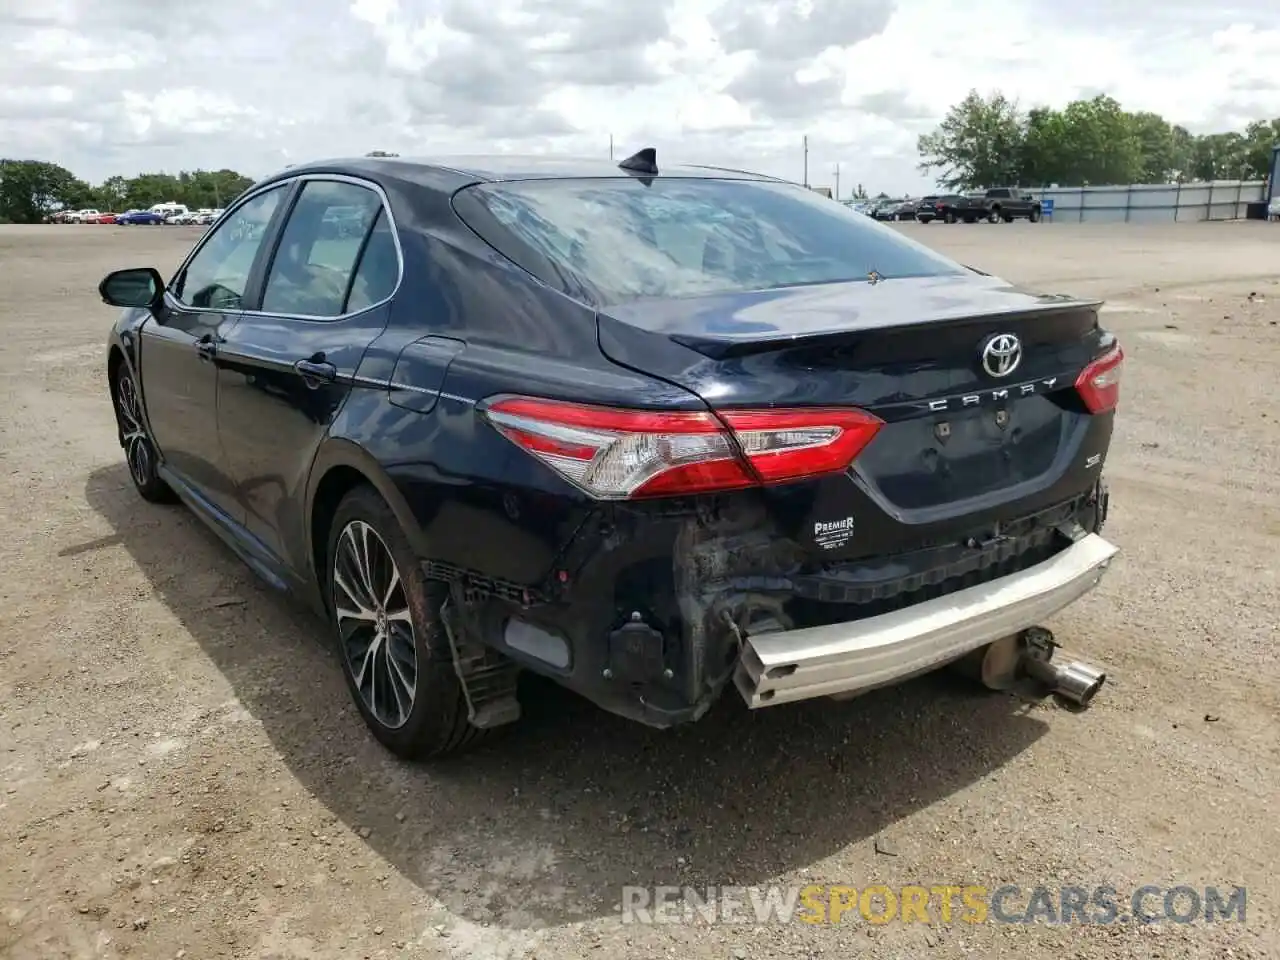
(181, 774)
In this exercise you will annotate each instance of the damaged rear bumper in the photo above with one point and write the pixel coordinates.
(847, 658)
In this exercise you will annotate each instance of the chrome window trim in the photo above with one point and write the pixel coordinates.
(288, 182)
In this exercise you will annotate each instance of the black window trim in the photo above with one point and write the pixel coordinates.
(275, 231)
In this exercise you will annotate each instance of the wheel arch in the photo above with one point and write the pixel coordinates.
(340, 466)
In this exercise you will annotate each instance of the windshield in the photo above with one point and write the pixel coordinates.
(683, 237)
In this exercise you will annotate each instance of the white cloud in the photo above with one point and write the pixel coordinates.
(122, 86)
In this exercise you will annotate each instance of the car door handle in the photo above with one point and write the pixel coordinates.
(316, 371)
(206, 346)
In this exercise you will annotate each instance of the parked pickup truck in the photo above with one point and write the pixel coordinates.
(1000, 203)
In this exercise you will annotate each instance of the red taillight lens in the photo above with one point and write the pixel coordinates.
(1099, 382)
(618, 454)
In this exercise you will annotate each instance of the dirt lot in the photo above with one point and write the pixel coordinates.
(181, 774)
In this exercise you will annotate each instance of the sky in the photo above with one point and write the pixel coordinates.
(108, 87)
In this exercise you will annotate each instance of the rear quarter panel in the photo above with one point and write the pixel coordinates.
(476, 500)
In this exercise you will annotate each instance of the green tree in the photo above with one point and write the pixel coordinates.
(1183, 148)
(1261, 138)
(1219, 156)
(32, 189)
(193, 188)
(1156, 147)
(985, 141)
(978, 144)
(859, 192)
(1042, 155)
(112, 193)
(1100, 144)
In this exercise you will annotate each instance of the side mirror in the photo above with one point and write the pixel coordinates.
(136, 287)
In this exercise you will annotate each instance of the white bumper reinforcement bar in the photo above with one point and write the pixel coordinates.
(846, 658)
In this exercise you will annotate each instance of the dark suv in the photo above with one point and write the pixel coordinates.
(651, 433)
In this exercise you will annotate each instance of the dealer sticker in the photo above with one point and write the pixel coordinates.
(831, 534)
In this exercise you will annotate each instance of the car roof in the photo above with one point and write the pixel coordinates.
(453, 172)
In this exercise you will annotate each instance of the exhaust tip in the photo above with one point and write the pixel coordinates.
(1078, 682)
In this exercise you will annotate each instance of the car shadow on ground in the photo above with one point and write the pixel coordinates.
(546, 823)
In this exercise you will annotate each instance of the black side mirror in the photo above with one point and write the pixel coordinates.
(136, 287)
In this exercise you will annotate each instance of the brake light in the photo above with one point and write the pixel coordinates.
(617, 454)
(1099, 382)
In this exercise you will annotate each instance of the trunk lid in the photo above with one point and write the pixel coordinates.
(974, 380)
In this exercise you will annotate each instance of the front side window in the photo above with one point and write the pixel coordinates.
(217, 276)
(312, 270)
(675, 237)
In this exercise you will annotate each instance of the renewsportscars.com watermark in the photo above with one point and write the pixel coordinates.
(969, 903)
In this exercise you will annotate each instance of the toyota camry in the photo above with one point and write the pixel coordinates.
(660, 433)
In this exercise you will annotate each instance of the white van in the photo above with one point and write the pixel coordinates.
(168, 210)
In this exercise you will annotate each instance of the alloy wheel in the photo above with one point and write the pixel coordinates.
(137, 447)
(375, 628)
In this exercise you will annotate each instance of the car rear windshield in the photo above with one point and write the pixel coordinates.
(624, 240)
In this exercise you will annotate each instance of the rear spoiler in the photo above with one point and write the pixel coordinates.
(724, 348)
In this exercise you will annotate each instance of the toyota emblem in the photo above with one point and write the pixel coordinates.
(1001, 354)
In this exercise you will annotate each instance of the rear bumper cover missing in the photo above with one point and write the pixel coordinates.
(846, 658)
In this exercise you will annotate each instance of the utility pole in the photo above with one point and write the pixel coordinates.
(837, 181)
(611, 146)
(806, 160)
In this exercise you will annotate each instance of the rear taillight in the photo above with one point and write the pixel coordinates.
(616, 454)
(1099, 382)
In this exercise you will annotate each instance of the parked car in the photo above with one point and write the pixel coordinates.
(885, 209)
(511, 426)
(187, 217)
(947, 207)
(88, 215)
(876, 207)
(134, 217)
(1000, 203)
(100, 218)
(906, 210)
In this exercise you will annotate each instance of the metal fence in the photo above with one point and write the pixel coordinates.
(1153, 203)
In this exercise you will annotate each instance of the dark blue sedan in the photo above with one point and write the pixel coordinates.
(139, 216)
(656, 434)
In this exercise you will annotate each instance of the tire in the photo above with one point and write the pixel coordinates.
(139, 451)
(397, 660)
(993, 215)
(1007, 219)
(1034, 216)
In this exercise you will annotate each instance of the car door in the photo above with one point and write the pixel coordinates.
(290, 363)
(179, 353)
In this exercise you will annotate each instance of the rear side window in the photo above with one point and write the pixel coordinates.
(379, 269)
(313, 266)
(624, 241)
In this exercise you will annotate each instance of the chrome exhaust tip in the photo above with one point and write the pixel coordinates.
(1008, 663)
(1075, 681)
